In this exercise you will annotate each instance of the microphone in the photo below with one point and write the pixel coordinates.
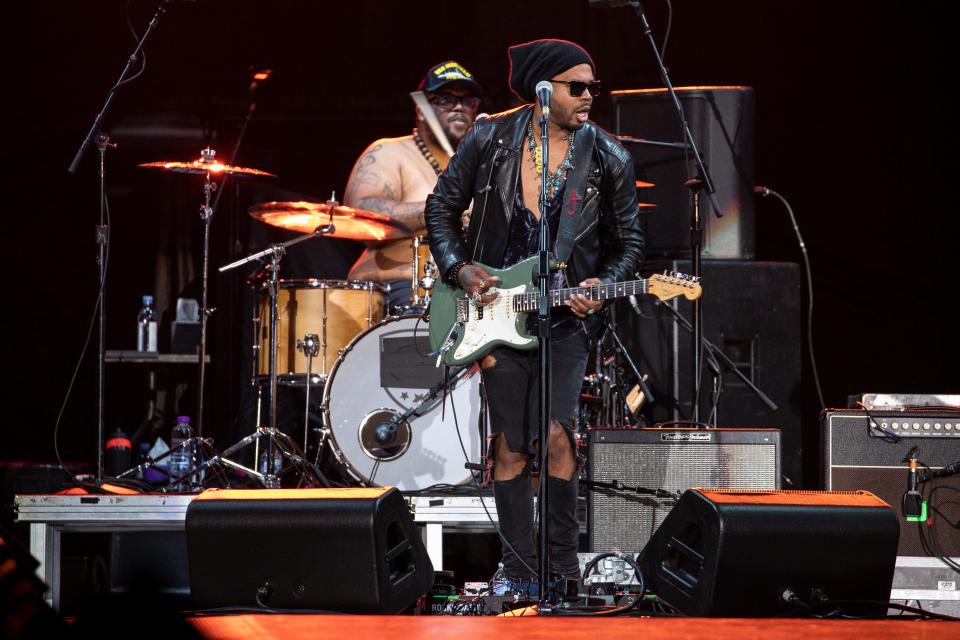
(544, 93)
(385, 432)
(763, 191)
(912, 505)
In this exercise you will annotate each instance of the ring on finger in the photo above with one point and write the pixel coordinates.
(482, 284)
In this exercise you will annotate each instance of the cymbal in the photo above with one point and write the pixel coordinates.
(644, 185)
(646, 205)
(204, 166)
(349, 223)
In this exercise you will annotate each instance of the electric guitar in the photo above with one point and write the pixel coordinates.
(461, 331)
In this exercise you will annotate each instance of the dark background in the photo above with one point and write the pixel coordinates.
(852, 127)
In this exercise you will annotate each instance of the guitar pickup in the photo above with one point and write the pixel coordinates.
(463, 310)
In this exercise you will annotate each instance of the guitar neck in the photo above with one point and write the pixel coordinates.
(529, 301)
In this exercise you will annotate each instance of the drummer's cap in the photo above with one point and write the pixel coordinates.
(449, 73)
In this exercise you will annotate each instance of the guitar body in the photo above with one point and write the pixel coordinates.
(462, 332)
(488, 327)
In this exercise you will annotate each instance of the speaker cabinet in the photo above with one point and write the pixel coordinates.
(751, 312)
(346, 550)
(735, 553)
(721, 120)
(671, 459)
(856, 456)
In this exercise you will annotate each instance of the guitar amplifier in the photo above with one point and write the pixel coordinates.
(860, 456)
(671, 459)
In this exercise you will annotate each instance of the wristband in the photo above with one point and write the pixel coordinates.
(453, 273)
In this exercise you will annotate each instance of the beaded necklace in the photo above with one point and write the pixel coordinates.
(554, 180)
(426, 152)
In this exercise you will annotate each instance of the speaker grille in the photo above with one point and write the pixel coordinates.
(648, 458)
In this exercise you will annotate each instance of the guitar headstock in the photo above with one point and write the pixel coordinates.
(670, 284)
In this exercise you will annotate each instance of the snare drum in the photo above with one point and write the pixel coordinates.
(334, 310)
(384, 406)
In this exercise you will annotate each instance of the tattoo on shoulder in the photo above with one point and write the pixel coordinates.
(363, 174)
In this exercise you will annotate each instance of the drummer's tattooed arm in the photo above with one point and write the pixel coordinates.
(371, 187)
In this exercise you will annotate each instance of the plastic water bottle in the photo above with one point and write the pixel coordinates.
(181, 460)
(147, 326)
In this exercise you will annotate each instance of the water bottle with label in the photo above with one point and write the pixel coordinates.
(181, 459)
(147, 326)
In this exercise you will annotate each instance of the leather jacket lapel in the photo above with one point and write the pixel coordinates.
(574, 192)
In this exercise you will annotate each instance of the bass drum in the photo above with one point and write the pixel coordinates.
(389, 420)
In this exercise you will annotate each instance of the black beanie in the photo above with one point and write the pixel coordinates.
(532, 62)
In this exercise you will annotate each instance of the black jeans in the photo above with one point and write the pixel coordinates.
(512, 388)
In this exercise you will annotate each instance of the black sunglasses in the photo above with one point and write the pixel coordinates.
(577, 87)
(449, 101)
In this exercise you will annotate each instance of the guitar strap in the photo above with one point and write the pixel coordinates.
(574, 192)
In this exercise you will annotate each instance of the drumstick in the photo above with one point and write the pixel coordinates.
(420, 100)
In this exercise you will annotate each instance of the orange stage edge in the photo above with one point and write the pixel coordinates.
(295, 627)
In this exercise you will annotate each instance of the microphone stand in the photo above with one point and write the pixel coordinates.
(543, 337)
(103, 142)
(702, 181)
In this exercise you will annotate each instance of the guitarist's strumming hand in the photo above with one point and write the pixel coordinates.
(474, 279)
(581, 305)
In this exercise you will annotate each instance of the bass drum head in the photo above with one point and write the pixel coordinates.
(384, 405)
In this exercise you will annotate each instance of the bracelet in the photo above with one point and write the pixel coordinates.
(453, 273)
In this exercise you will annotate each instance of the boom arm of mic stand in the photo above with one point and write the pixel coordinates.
(131, 60)
(665, 76)
(720, 355)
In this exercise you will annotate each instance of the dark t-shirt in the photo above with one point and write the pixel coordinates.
(523, 241)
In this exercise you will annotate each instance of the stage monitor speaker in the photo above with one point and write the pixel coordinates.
(721, 120)
(737, 553)
(751, 312)
(345, 550)
(857, 456)
(671, 459)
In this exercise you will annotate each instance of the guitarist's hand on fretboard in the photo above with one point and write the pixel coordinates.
(581, 305)
(475, 279)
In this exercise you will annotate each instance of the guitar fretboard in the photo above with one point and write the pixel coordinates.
(529, 301)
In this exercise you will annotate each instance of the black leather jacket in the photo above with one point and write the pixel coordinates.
(599, 234)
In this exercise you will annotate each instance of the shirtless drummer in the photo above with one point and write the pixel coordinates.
(395, 175)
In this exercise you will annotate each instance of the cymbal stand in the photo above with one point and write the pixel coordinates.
(206, 215)
(275, 439)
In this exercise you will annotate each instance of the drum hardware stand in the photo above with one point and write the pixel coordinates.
(310, 347)
(205, 451)
(275, 438)
(641, 379)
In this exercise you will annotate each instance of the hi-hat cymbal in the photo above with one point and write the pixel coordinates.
(646, 205)
(203, 166)
(644, 185)
(349, 223)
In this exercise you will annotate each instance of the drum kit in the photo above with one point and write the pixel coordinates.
(390, 416)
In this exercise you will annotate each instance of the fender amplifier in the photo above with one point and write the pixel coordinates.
(671, 459)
